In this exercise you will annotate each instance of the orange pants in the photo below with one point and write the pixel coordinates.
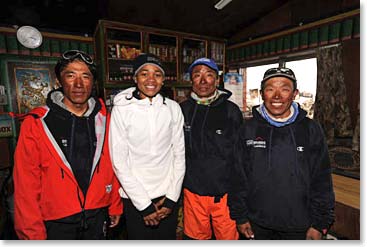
(199, 210)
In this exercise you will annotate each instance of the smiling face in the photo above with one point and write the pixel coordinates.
(77, 82)
(204, 81)
(278, 95)
(149, 80)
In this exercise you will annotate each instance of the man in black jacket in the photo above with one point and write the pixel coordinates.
(211, 124)
(281, 186)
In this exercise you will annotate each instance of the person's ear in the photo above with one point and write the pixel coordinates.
(262, 94)
(217, 81)
(295, 94)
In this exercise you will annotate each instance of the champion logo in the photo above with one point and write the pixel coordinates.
(300, 149)
(219, 131)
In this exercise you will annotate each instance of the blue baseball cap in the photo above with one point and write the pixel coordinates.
(204, 61)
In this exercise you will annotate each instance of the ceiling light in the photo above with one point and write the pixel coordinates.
(221, 4)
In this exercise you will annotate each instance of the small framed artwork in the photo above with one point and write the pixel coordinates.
(30, 81)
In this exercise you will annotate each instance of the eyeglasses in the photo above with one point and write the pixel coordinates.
(72, 54)
(279, 71)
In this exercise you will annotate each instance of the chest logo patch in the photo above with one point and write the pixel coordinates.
(219, 131)
(108, 188)
(257, 143)
(187, 127)
(64, 142)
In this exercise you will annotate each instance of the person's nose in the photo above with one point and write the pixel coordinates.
(151, 77)
(202, 79)
(78, 81)
(277, 94)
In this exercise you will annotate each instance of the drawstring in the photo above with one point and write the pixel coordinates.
(62, 173)
(191, 122)
(202, 127)
(71, 147)
(270, 143)
(296, 168)
(90, 139)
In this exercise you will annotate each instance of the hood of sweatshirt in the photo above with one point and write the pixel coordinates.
(54, 102)
(126, 97)
(256, 114)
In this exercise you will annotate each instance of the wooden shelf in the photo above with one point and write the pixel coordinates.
(174, 48)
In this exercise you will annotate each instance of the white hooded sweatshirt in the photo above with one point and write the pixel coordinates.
(147, 147)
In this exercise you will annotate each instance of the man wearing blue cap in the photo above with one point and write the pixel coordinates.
(211, 124)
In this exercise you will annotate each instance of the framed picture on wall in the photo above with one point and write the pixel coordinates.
(30, 82)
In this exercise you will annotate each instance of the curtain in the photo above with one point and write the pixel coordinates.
(331, 108)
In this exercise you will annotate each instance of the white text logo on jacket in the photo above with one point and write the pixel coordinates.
(259, 142)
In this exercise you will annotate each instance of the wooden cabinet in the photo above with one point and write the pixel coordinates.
(117, 44)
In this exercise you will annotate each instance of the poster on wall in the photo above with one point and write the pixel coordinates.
(31, 83)
(234, 82)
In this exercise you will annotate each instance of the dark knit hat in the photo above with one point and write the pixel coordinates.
(146, 58)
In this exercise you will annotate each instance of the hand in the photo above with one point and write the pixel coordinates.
(246, 230)
(313, 234)
(159, 204)
(152, 219)
(115, 219)
(164, 212)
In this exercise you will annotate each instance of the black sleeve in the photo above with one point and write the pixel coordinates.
(321, 193)
(238, 182)
(168, 203)
(149, 210)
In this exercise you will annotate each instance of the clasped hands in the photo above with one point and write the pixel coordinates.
(160, 213)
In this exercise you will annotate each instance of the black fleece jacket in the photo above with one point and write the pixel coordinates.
(210, 132)
(282, 178)
(75, 136)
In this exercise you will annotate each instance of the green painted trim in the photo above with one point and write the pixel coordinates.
(331, 32)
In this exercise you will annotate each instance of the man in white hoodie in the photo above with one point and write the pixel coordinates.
(148, 153)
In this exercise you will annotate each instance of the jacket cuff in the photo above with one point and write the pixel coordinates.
(241, 221)
(322, 229)
(168, 203)
(149, 210)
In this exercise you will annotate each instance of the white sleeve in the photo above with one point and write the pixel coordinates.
(178, 146)
(119, 152)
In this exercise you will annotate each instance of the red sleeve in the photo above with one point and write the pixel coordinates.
(116, 202)
(27, 183)
(116, 207)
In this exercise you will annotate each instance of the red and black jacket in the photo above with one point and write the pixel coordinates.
(45, 172)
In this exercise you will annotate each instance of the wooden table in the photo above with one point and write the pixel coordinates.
(347, 207)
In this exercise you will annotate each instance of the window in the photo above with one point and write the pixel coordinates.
(306, 74)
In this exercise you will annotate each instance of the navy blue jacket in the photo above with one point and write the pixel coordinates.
(282, 177)
(210, 132)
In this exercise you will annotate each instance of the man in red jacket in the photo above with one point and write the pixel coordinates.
(64, 184)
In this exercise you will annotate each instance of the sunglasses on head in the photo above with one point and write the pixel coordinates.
(279, 70)
(72, 54)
